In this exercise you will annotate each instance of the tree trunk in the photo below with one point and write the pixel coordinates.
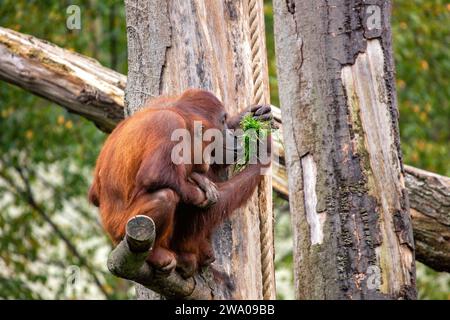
(174, 45)
(83, 86)
(352, 228)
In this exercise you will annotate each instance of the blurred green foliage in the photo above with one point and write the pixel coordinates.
(421, 42)
(46, 160)
(47, 154)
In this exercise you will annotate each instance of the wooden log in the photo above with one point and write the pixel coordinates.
(128, 261)
(429, 197)
(76, 82)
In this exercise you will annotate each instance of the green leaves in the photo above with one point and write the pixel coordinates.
(253, 132)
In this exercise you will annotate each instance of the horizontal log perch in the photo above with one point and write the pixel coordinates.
(429, 197)
(128, 261)
(82, 86)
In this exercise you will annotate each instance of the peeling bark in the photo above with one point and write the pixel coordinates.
(314, 219)
(338, 108)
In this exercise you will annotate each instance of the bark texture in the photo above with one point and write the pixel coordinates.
(78, 83)
(353, 232)
(429, 193)
(175, 45)
(429, 196)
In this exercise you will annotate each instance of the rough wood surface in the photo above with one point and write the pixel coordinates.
(148, 38)
(175, 45)
(429, 197)
(429, 194)
(343, 155)
(74, 81)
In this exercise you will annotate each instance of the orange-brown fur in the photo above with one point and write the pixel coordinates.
(135, 175)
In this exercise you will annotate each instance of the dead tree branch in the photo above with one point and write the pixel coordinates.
(79, 84)
(128, 261)
(429, 197)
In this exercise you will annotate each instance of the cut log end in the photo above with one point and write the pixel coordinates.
(140, 233)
